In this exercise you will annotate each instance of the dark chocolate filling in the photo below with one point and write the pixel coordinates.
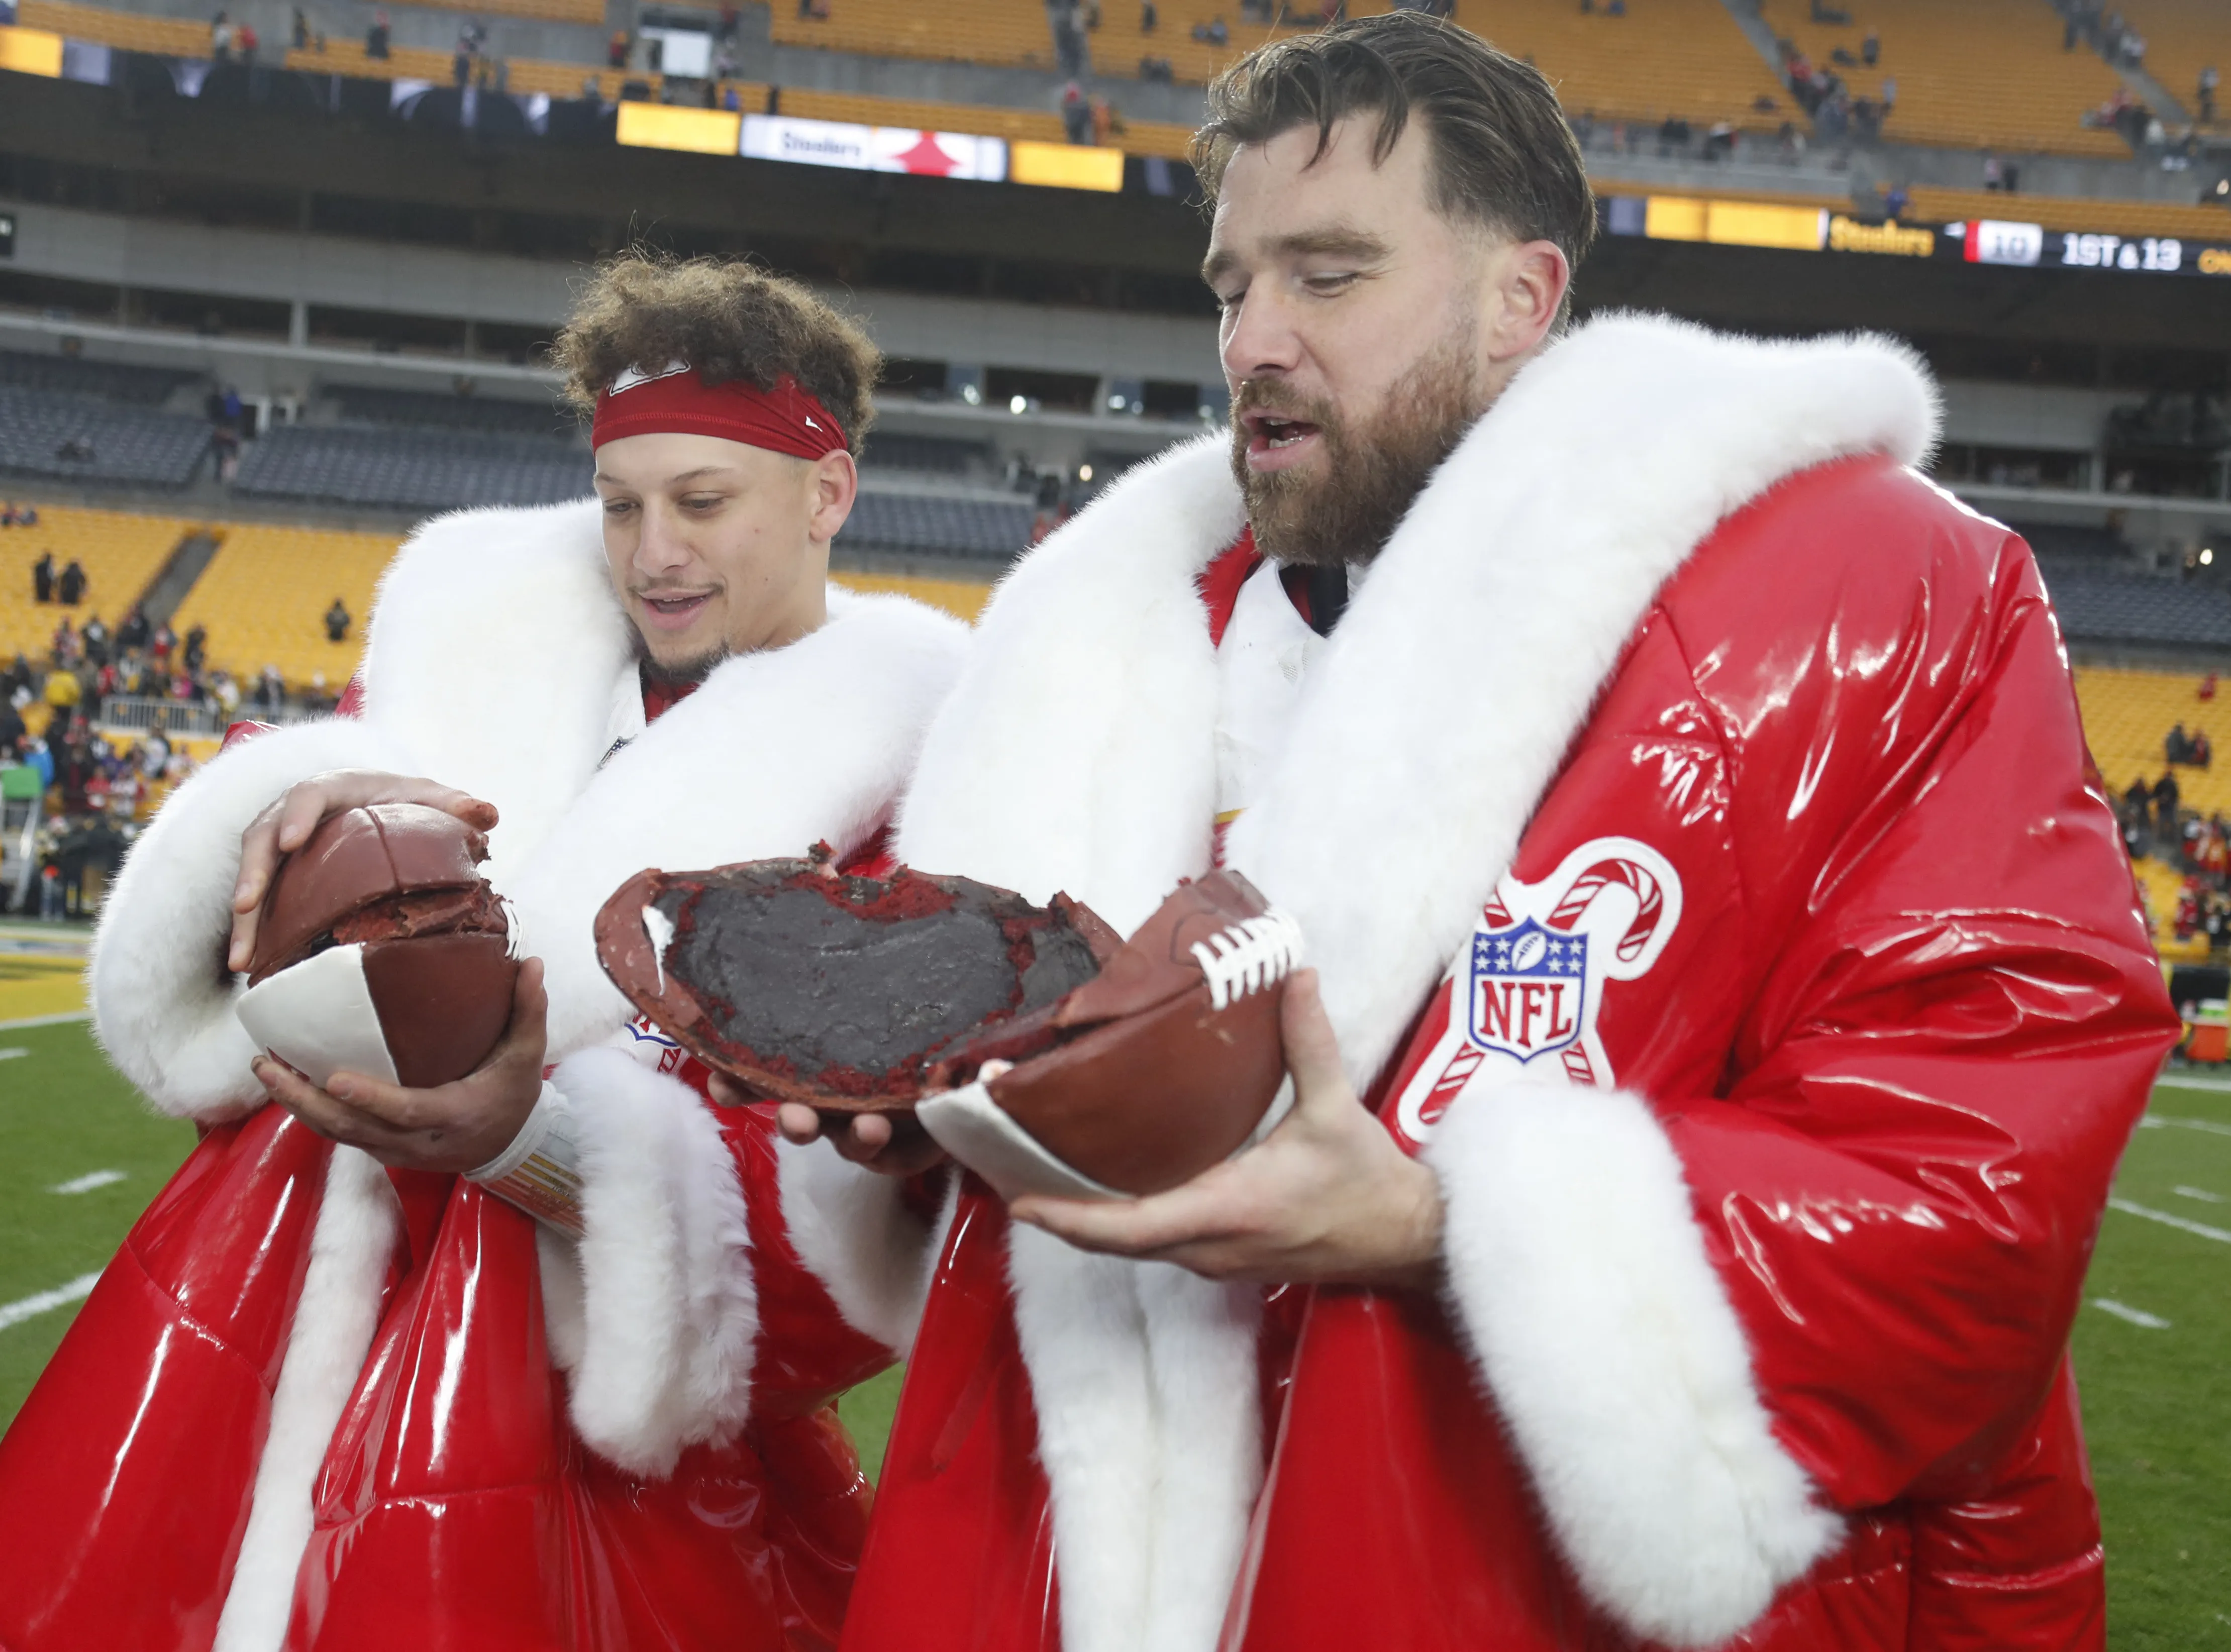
(793, 977)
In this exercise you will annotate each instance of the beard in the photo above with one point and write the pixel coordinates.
(1349, 510)
(677, 673)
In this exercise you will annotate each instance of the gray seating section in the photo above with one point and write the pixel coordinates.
(982, 529)
(945, 456)
(368, 404)
(412, 469)
(103, 442)
(2097, 606)
(109, 381)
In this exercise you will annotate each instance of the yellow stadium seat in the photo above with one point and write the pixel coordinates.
(264, 595)
(121, 555)
(1972, 75)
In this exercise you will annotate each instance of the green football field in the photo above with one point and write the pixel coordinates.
(78, 1159)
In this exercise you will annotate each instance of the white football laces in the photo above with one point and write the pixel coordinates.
(1248, 956)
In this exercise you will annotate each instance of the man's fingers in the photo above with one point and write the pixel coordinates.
(1183, 1216)
(527, 1035)
(1312, 1048)
(330, 1117)
(474, 811)
(797, 1122)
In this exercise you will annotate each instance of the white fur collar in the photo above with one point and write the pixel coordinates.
(1076, 753)
(1446, 699)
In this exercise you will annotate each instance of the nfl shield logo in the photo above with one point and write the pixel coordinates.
(1528, 989)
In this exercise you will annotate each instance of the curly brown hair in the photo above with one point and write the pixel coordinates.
(728, 319)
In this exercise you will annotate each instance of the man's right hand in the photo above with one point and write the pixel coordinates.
(287, 825)
(891, 1143)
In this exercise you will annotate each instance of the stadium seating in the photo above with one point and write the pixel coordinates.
(133, 31)
(1013, 32)
(963, 598)
(938, 525)
(121, 554)
(576, 11)
(2128, 715)
(1120, 42)
(2060, 212)
(2097, 606)
(264, 595)
(423, 410)
(939, 455)
(74, 376)
(83, 440)
(2183, 37)
(411, 469)
(1975, 74)
(1665, 57)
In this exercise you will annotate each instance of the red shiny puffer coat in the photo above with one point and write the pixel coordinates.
(1774, 1097)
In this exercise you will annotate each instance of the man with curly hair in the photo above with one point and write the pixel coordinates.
(340, 1388)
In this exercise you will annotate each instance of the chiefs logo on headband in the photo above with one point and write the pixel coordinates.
(786, 419)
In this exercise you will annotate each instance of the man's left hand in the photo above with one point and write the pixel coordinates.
(452, 1128)
(1327, 1197)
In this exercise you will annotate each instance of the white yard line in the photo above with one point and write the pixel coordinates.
(2193, 1081)
(13, 1053)
(2201, 1194)
(62, 1296)
(2158, 1121)
(46, 1021)
(86, 1182)
(2168, 1221)
(2135, 1316)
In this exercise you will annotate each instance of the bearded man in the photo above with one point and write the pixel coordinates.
(340, 1396)
(1684, 806)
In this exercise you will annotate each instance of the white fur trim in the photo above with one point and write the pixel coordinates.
(491, 655)
(162, 999)
(1143, 1377)
(775, 751)
(669, 1310)
(1104, 674)
(1579, 1276)
(334, 1321)
(854, 1232)
(1077, 752)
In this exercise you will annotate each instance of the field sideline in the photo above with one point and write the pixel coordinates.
(80, 1157)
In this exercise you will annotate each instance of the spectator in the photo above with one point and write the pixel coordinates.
(1150, 19)
(96, 641)
(196, 649)
(1889, 94)
(164, 644)
(42, 577)
(377, 37)
(301, 30)
(2207, 686)
(1075, 115)
(70, 588)
(2208, 81)
(1871, 48)
(221, 37)
(616, 50)
(1895, 201)
(2166, 797)
(1994, 175)
(337, 621)
(2200, 749)
(2178, 745)
(131, 635)
(244, 43)
(63, 689)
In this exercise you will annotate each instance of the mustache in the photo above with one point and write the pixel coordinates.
(1271, 397)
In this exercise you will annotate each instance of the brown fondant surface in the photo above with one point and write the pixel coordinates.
(353, 859)
(1148, 1101)
(443, 1001)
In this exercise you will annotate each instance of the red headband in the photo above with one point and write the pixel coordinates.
(786, 419)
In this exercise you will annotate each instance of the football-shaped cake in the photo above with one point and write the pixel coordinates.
(1164, 1064)
(808, 985)
(381, 950)
(1034, 1046)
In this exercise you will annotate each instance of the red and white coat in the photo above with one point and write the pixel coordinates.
(318, 1405)
(1762, 1253)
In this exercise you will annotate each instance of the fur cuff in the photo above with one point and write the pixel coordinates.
(1578, 1274)
(852, 1229)
(162, 999)
(668, 1313)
